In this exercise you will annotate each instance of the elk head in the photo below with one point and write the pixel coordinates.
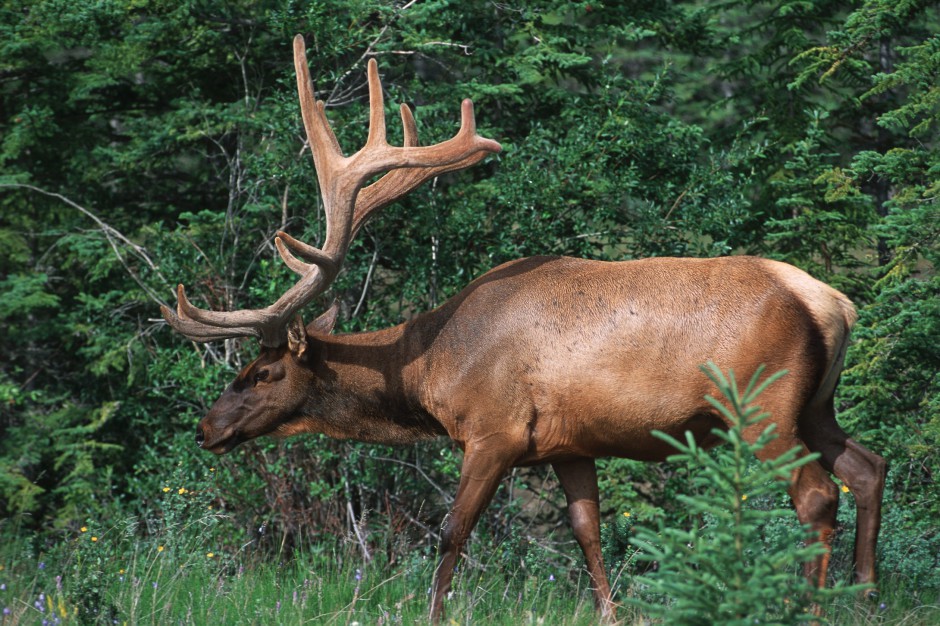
(267, 393)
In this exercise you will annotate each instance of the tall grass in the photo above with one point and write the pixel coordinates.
(121, 580)
(181, 565)
(132, 582)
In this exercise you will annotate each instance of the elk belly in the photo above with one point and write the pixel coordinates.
(604, 417)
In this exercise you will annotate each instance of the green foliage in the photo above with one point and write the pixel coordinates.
(80, 463)
(23, 294)
(826, 215)
(721, 571)
(891, 388)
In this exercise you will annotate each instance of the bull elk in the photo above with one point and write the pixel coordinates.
(541, 360)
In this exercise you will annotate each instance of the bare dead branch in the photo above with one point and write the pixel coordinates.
(116, 239)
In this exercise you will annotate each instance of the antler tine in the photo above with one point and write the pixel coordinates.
(320, 136)
(182, 321)
(409, 128)
(376, 138)
(468, 121)
(201, 332)
(285, 242)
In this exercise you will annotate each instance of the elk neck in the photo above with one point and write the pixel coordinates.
(366, 388)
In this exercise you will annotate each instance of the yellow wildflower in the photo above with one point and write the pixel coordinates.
(845, 488)
(210, 554)
(626, 513)
(94, 539)
(744, 497)
(84, 529)
(159, 548)
(166, 489)
(182, 490)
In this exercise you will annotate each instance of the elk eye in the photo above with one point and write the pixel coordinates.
(261, 376)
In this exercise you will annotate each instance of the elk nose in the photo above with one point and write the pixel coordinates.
(200, 436)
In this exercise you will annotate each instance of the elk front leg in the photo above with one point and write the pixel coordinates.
(579, 480)
(479, 478)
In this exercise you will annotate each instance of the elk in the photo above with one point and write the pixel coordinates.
(541, 360)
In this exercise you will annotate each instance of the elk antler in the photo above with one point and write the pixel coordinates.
(347, 205)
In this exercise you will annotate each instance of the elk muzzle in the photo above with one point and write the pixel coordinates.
(217, 441)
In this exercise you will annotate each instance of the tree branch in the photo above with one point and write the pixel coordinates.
(114, 237)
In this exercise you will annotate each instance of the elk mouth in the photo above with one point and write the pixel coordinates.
(218, 445)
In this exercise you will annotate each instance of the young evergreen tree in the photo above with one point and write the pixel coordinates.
(726, 569)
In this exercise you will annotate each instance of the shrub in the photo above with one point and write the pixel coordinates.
(723, 570)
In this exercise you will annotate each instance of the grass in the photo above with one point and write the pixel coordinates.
(120, 579)
(184, 567)
(138, 583)
(897, 604)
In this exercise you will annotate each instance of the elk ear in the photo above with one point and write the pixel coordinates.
(297, 337)
(323, 325)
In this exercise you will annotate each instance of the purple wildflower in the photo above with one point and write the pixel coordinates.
(6, 610)
(42, 565)
(551, 578)
(882, 606)
(154, 584)
(358, 574)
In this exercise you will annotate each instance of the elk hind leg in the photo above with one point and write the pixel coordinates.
(579, 480)
(862, 471)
